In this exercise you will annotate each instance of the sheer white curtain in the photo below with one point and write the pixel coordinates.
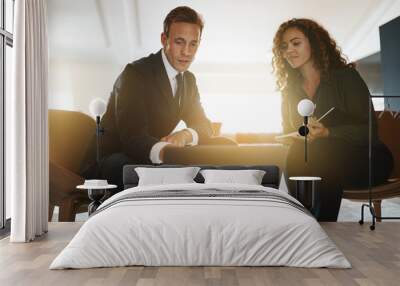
(27, 151)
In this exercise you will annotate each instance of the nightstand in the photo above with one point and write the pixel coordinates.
(305, 190)
(97, 194)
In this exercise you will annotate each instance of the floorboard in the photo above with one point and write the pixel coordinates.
(374, 255)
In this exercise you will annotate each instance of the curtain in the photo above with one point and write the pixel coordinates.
(27, 151)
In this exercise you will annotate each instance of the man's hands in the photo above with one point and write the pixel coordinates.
(317, 129)
(177, 139)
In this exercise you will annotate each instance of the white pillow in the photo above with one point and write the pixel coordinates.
(248, 177)
(163, 176)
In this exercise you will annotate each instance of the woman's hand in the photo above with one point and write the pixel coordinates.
(317, 129)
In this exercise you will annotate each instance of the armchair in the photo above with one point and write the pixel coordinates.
(70, 134)
(389, 128)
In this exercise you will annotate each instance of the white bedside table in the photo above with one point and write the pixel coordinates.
(96, 194)
(305, 190)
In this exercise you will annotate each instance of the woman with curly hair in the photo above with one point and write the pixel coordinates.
(309, 65)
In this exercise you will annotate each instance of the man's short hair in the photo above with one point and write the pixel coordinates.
(182, 14)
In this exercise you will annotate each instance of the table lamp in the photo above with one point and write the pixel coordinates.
(97, 108)
(305, 108)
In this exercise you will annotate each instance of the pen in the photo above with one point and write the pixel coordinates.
(326, 113)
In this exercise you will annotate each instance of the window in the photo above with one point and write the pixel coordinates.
(6, 43)
(9, 16)
(233, 111)
(242, 96)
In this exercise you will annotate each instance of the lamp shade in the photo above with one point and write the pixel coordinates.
(305, 107)
(97, 107)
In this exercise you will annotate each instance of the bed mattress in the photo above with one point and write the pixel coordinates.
(201, 225)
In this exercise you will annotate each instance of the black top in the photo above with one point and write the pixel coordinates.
(345, 90)
(142, 109)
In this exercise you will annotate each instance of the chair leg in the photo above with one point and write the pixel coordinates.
(66, 211)
(378, 209)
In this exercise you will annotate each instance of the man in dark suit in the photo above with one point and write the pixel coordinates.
(150, 97)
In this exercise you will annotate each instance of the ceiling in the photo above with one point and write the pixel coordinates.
(235, 32)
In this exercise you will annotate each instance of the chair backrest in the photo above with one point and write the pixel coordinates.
(389, 133)
(70, 135)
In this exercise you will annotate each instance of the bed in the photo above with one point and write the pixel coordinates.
(201, 224)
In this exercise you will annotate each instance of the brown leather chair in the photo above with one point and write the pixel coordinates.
(70, 133)
(389, 130)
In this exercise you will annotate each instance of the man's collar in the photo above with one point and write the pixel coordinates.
(171, 72)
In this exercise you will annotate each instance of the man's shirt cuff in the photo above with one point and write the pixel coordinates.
(155, 152)
(195, 137)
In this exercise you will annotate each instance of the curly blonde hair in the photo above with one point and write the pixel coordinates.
(324, 51)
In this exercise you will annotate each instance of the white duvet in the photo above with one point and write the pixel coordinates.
(200, 231)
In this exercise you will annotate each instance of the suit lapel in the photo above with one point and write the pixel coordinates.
(161, 77)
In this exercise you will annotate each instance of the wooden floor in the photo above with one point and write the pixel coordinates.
(374, 255)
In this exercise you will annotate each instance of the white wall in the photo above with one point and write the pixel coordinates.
(73, 84)
(364, 40)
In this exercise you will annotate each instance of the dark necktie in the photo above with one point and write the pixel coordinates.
(179, 91)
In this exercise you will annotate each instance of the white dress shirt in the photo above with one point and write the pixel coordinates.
(156, 149)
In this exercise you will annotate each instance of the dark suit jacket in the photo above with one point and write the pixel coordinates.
(141, 110)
